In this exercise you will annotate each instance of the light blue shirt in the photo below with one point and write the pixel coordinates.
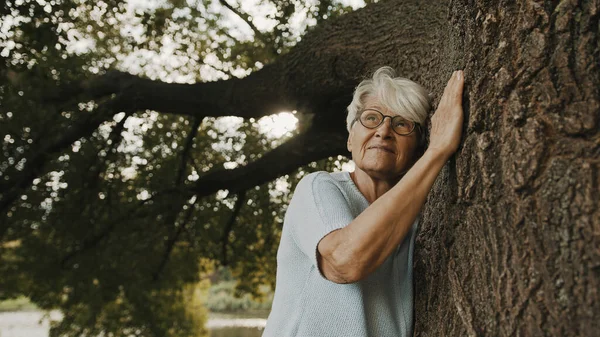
(308, 305)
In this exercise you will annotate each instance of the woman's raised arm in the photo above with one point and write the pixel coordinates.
(350, 254)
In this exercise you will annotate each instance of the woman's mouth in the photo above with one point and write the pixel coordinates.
(382, 148)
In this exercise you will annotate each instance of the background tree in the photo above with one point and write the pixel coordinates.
(509, 240)
(99, 217)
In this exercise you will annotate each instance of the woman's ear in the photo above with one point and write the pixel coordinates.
(349, 143)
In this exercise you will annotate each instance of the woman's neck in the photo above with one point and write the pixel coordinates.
(371, 188)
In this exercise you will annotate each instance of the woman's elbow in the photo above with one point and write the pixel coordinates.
(342, 269)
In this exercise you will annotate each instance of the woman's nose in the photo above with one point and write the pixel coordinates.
(384, 130)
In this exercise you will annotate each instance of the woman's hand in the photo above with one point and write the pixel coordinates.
(446, 123)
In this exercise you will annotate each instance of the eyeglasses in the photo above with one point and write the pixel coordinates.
(371, 119)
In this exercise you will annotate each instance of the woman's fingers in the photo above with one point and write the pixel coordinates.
(459, 84)
(454, 88)
(446, 123)
(448, 88)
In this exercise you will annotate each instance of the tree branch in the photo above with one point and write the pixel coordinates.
(186, 150)
(229, 226)
(215, 99)
(171, 243)
(322, 10)
(179, 180)
(298, 151)
(91, 177)
(97, 238)
(222, 70)
(317, 76)
(115, 137)
(12, 188)
(257, 33)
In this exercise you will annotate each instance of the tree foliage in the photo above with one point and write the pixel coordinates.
(106, 227)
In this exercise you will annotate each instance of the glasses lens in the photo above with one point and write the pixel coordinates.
(371, 118)
(402, 126)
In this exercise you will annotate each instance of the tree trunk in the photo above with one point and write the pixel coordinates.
(510, 242)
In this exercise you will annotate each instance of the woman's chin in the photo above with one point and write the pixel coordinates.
(383, 172)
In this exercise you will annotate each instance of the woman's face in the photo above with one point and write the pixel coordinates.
(380, 152)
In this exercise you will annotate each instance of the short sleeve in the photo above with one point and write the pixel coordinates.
(318, 208)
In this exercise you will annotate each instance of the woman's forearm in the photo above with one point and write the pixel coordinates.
(353, 252)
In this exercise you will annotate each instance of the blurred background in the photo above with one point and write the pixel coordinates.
(97, 236)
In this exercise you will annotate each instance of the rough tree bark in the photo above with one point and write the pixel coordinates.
(510, 244)
(510, 238)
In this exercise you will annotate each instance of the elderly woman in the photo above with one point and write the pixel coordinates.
(345, 257)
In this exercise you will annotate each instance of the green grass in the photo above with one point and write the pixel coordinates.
(17, 304)
(221, 298)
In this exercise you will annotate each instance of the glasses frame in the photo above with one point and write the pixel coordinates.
(415, 124)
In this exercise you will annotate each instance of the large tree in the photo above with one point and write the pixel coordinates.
(509, 243)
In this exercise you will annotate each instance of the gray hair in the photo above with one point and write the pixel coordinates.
(400, 95)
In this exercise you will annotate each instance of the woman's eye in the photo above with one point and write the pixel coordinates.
(400, 123)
